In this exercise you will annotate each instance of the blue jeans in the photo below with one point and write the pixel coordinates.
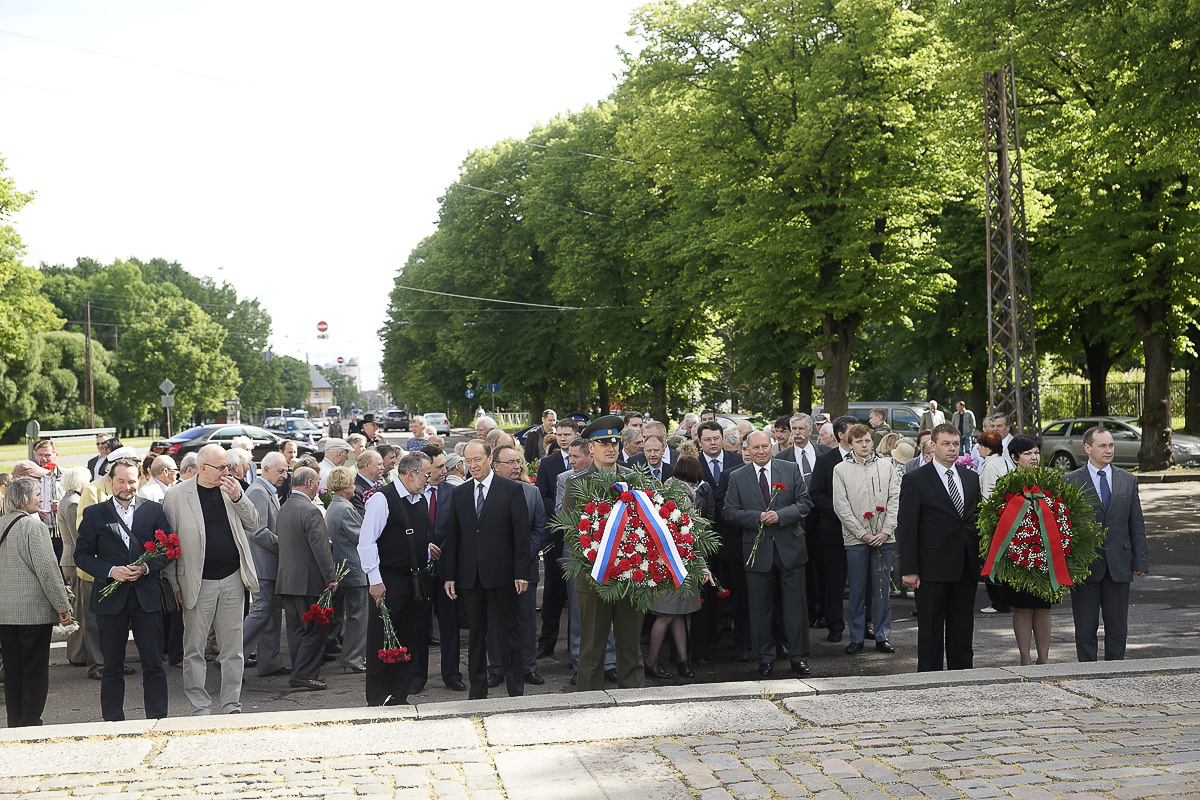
(869, 569)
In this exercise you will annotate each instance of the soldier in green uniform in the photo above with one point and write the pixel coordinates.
(597, 616)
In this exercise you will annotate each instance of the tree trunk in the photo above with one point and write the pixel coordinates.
(658, 398)
(977, 400)
(839, 348)
(1155, 452)
(1098, 354)
(787, 394)
(602, 391)
(804, 386)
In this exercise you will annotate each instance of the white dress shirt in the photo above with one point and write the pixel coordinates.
(758, 470)
(953, 476)
(375, 517)
(487, 487)
(126, 515)
(1095, 471)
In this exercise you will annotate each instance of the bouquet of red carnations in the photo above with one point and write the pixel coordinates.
(321, 612)
(392, 652)
(163, 544)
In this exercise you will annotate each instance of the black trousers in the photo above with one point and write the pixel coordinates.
(493, 611)
(173, 637)
(306, 640)
(147, 627)
(388, 684)
(833, 584)
(946, 623)
(446, 611)
(813, 575)
(554, 597)
(26, 651)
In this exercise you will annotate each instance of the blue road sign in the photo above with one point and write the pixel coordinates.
(470, 393)
(493, 387)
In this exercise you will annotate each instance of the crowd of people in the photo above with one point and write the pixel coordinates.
(820, 522)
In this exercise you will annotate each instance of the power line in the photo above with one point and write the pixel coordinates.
(518, 303)
(487, 299)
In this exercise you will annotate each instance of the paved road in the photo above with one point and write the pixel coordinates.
(1165, 619)
(1032, 734)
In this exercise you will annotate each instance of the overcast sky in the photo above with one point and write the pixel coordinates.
(293, 149)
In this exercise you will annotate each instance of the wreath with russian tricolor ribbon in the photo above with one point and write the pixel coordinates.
(1038, 533)
(635, 537)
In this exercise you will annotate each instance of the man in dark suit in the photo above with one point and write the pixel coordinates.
(111, 537)
(714, 458)
(939, 553)
(102, 451)
(653, 449)
(305, 571)
(486, 557)
(658, 429)
(1114, 495)
(438, 499)
(554, 589)
(777, 566)
(370, 470)
(833, 549)
(729, 564)
(803, 451)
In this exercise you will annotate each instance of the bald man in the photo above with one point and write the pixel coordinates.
(162, 477)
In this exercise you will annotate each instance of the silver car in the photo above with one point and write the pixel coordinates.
(437, 423)
(1062, 443)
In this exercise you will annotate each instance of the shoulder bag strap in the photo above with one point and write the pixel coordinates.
(9, 528)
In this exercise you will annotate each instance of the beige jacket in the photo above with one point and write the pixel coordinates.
(182, 504)
(863, 486)
(32, 591)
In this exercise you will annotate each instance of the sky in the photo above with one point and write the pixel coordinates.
(293, 149)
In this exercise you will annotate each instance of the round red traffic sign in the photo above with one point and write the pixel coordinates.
(322, 326)
(341, 360)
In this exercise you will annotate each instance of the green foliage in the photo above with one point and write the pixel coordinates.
(295, 383)
(344, 392)
(57, 382)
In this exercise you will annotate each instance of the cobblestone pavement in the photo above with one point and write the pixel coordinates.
(1100, 734)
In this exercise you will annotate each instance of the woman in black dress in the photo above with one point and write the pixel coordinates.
(1031, 614)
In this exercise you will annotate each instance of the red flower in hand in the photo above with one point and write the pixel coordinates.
(723, 593)
(151, 546)
(868, 514)
(779, 487)
(172, 540)
(880, 508)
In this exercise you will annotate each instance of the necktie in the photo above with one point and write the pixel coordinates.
(432, 505)
(805, 466)
(715, 466)
(762, 485)
(479, 501)
(955, 497)
(657, 474)
(1105, 492)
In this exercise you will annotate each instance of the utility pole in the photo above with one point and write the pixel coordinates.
(91, 397)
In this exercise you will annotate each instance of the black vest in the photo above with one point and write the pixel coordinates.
(394, 557)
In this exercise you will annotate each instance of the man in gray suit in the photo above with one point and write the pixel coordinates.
(803, 451)
(263, 626)
(1114, 494)
(778, 564)
(964, 420)
(305, 571)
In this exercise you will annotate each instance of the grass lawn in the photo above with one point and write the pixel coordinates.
(12, 453)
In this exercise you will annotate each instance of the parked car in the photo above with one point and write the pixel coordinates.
(903, 418)
(438, 423)
(298, 428)
(192, 439)
(1062, 443)
(396, 419)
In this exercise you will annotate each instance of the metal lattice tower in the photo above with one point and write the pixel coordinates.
(1012, 356)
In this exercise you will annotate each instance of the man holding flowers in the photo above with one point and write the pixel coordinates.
(126, 539)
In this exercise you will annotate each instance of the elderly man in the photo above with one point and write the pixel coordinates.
(631, 444)
(337, 451)
(803, 453)
(370, 430)
(262, 629)
(370, 473)
(305, 571)
(212, 517)
(239, 466)
(245, 443)
(509, 463)
(438, 492)
(417, 438)
(932, 417)
(162, 477)
(732, 440)
(390, 455)
(189, 467)
(654, 447)
(485, 425)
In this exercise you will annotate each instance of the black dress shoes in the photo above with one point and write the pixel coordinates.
(251, 661)
(611, 674)
(656, 670)
(314, 684)
(351, 670)
(495, 680)
(801, 668)
(819, 622)
(456, 685)
(545, 651)
(765, 669)
(534, 678)
(885, 647)
(685, 669)
(834, 636)
(870, 634)
(280, 671)
(742, 654)
(854, 647)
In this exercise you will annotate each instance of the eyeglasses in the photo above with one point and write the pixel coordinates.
(221, 468)
(509, 463)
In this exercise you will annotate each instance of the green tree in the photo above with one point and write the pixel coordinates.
(344, 392)
(295, 384)
(57, 380)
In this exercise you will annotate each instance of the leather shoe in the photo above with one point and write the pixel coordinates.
(656, 670)
(313, 684)
(128, 670)
(250, 662)
(545, 651)
(457, 686)
(685, 669)
(280, 671)
(327, 657)
(495, 680)
(834, 636)
(611, 674)
(854, 647)
(333, 647)
(870, 633)
(574, 678)
(97, 675)
(885, 647)
(819, 622)
(350, 670)
(534, 678)
(765, 669)
(801, 668)
(742, 654)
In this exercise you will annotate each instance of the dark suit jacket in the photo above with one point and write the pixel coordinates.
(99, 548)
(549, 468)
(935, 543)
(728, 461)
(744, 503)
(1124, 551)
(361, 485)
(92, 464)
(305, 555)
(820, 487)
(790, 453)
(491, 550)
(640, 460)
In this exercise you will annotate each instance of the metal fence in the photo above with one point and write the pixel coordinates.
(1125, 399)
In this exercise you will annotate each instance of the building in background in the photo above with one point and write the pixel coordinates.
(321, 396)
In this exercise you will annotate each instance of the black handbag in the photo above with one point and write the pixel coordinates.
(422, 580)
(166, 594)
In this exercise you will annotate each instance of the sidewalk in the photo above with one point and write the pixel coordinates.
(1121, 729)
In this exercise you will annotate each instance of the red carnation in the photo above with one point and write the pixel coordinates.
(590, 508)
(584, 525)
(172, 540)
(779, 487)
(626, 497)
(685, 520)
(638, 576)
(880, 508)
(688, 538)
(591, 555)
(636, 559)
(151, 546)
(585, 541)
(603, 508)
(723, 593)
(868, 514)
